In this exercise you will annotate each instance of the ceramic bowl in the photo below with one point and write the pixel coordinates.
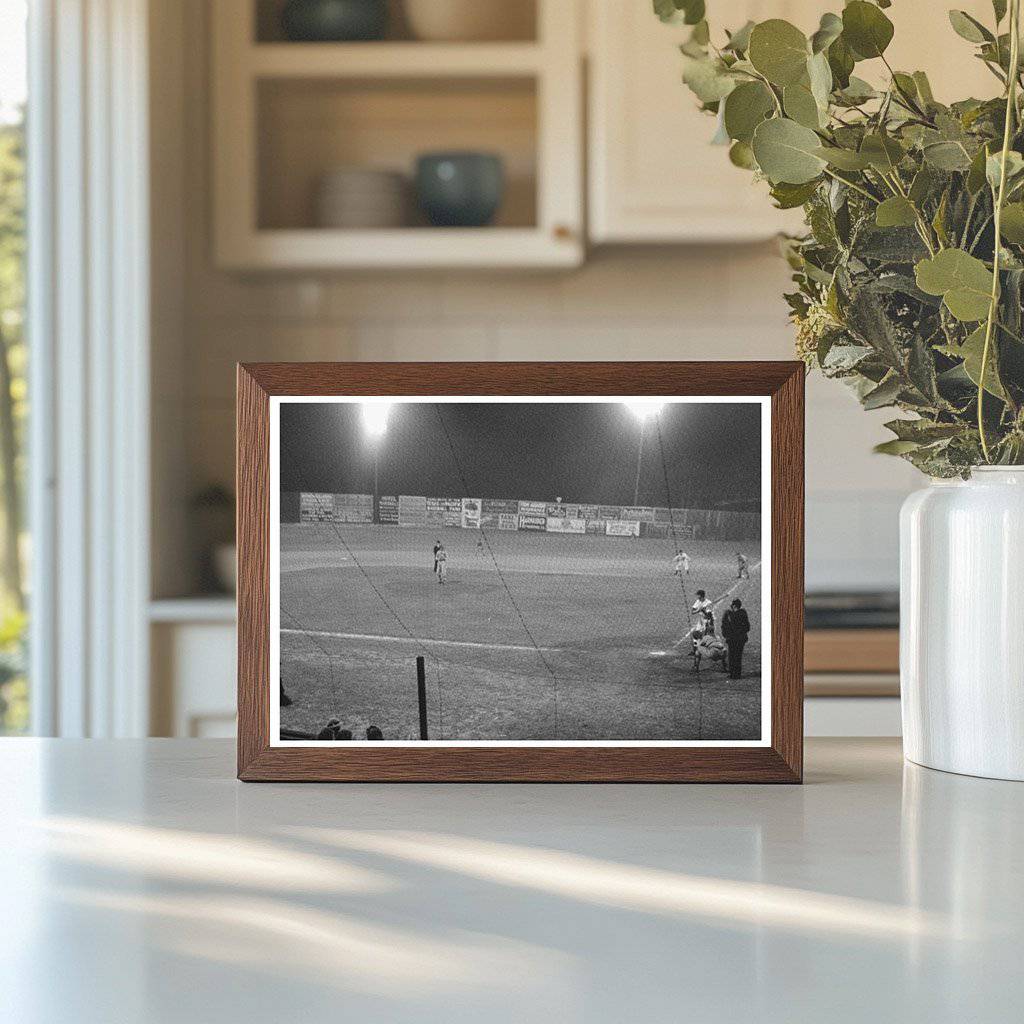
(460, 189)
(333, 21)
(470, 20)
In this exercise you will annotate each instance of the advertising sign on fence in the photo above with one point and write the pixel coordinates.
(589, 512)
(622, 528)
(412, 510)
(532, 508)
(654, 530)
(532, 522)
(471, 513)
(610, 512)
(435, 512)
(353, 508)
(560, 524)
(316, 508)
(508, 521)
(643, 515)
(495, 506)
(387, 509)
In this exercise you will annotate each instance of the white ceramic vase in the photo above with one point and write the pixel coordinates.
(962, 624)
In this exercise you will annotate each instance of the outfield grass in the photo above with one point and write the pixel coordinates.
(605, 613)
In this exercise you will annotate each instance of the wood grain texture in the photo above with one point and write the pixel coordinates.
(780, 762)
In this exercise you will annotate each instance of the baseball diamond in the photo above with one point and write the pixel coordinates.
(599, 653)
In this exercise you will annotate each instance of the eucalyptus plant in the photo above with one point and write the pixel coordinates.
(910, 277)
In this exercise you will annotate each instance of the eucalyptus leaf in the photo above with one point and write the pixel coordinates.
(689, 12)
(976, 176)
(1012, 223)
(779, 51)
(741, 155)
(787, 152)
(883, 395)
(895, 212)
(841, 62)
(739, 41)
(969, 28)
(922, 185)
(905, 84)
(895, 447)
(708, 80)
(993, 167)
(963, 281)
(924, 87)
(921, 370)
(829, 30)
(883, 152)
(923, 431)
(819, 75)
(801, 106)
(745, 108)
(844, 159)
(947, 156)
(788, 196)
(972, 351)
(866, 29)
(701, 34)
(857, 91)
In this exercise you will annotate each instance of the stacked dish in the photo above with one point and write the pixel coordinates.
(470, 20)
(362, 197)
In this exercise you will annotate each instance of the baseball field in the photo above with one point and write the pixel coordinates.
(533, 636)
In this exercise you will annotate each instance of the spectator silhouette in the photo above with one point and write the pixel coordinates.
(735, 627)
(330, 731)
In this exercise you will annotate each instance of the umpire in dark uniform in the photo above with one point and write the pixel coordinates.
(735, 627)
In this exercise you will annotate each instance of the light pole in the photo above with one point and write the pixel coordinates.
(375, 423)
(643, 410)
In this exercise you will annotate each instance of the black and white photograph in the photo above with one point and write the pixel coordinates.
(520, 571)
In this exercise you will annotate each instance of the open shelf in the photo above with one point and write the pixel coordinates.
(309, 127)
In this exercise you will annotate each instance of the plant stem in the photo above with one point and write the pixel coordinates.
(907, 99)
(853, 185)
(1011, 108)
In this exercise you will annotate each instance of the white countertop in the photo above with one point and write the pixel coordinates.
(140, 882)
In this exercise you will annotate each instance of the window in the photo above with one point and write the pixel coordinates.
(14, 690)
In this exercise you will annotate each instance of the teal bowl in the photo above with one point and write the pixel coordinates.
(334, 21)
(460, 189)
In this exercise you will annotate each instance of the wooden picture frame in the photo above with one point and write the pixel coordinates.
(780, 757)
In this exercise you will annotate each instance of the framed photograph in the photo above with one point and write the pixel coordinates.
(564, 572)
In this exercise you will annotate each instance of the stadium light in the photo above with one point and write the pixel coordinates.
(375, 418)
(643, 409)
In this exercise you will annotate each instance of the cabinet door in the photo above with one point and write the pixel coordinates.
(654, 177)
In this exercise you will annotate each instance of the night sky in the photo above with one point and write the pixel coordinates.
(578, 452)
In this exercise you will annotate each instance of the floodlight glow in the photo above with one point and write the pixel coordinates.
(375, 417)
(643, 409)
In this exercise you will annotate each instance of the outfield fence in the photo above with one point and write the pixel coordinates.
(405, 510)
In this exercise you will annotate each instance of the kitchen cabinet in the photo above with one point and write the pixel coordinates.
(286, 114)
